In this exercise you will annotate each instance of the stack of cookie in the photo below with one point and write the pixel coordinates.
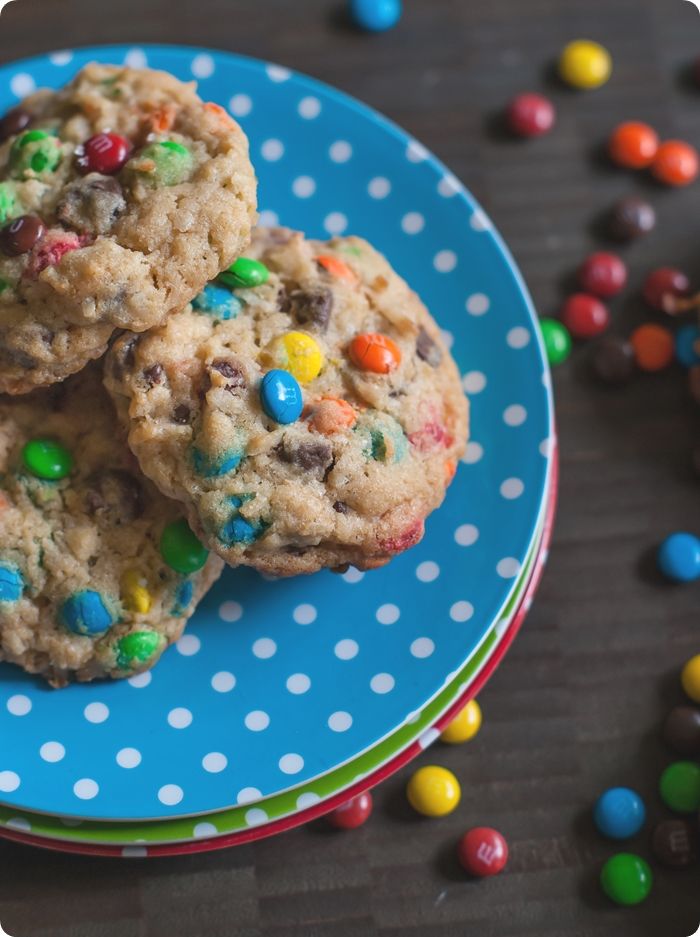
(275, 402)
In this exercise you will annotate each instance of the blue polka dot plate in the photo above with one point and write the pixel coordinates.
(277, 683)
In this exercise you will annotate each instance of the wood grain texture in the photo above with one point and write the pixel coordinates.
(577, 705)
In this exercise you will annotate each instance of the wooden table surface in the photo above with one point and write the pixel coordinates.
(577, 704)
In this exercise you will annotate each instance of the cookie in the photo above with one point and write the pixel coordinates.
(98, 571)
(121, 195)
(304, 409)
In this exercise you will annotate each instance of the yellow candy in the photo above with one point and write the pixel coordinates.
(433, 791)
(464, 726)
(585, 64)
(136, 596)
(690, 678)
(298, 353)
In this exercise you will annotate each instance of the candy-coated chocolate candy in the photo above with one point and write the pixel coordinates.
(33, 153)
(383, 437)
(603, 274)
(585, 64)
(679, 557)
(687, 342)
(166, 163)
(9, 206)
(135, 594)
(662, 285)
(19, 236)
(619, 813)
(212, 466)
(433, 791)
(483, 852)
(183, 597)
(585, 316)
(331, 415)
(239, 529)
(137, 648)
(530, 115)
(633, 144)
(372, 351)
(464, 726)
(218, 301)
(676, 163)
(631, 218)
(690, 678)
(612, 360)
(281, 397)
(11, 583)
(682, 730)
(14, 122)
(298, 353)
(180, 549)
(557, 340)
(626, 879)
(85, 613)
(375, 16)
(336, 267)
(653, 347)
(47, 459)
(105, 153)
(680, 787)
(675, 844)
(245, 273)
(355, 812)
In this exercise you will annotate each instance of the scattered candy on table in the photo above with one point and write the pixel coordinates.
(47, 459)
(375, 15)
(633, 145)
(557, 340)
(281, 397)
(690, 678)
(352, 814)
(612, 360)
(653, 347)
(585, 316)
(674, 843)
(631, 218)
(464, 726)
(619, 813)
(626, 879)
(603, 274)
(678, 557)
(687, 344)
(681, 731)
(585, 64)
(483, 852)
(676, 163)
(680, 787)
(433, 791)
(662, 284)
(530, 115)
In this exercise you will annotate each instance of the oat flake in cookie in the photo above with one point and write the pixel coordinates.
(120, 196)
(98, 571)
(305, 409)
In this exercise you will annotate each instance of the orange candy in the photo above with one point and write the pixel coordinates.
(336, 267)
(653, 347)
(375, 352)
(676, 163)
(331, 414)
(219, 112)
(633, 145)
(450, 470)
(161, 119)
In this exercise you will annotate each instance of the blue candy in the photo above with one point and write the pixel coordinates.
(679, 557)
(686, 338)
(217, 301)
(375, 15)
(212, 466)
(281, 397)
(86, 613)
(11, 584)
(619, 813)
(237, 529)
(183, 597)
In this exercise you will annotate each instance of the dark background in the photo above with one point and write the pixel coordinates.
(577, 704)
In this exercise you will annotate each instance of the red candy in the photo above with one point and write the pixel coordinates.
(483, 852)
(663, 284)
(105, 153)
(353, 813)
(603, 274)
(530, 115)
(409, 538)
(633, 144)
(50, 250)
(431, 436)
(585, 316)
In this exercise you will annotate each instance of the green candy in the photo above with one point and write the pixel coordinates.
(173, 163)
(4, 285)
(557, 341)
(47, 459)
(244, 273)
(137, 648)
(383, 438)
(626, 879)
(9, 207)
(680, 787)
(35, 151)
(180, 548)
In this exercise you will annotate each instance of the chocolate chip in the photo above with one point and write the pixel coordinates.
(14, 122)
(181, 413)
(233, 374)
(312, 307)
(155, 374)
(19, 236)
(305, 455)
(91, 204)
(427, 349)
(674, 843)
(124, 355)
(284, 303)
(116, 492)
(341, 507)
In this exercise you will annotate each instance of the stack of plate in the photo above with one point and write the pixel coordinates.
(286, 697)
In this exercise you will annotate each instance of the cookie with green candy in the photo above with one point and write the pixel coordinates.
(99, 572)
(121, 196)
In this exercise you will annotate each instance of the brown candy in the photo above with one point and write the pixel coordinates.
(14, 122)
(681, 730)
(631, 218)
(612, 360)
(674, 843)
(20, 236)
